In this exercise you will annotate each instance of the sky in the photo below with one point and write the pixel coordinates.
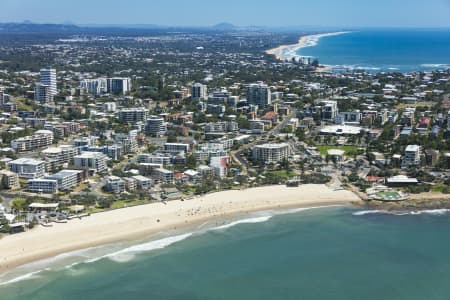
(270, 13)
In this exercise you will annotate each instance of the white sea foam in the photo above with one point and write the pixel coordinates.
(435, 65)
(23, 277)
(130, 252)
(297, 210)
(369, 212)
(245, 221)
(436, 212)
(268, 215)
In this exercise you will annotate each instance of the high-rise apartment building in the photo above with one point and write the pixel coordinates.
(48, 78)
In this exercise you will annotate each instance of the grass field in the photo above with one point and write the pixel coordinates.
(349, 150)
(283, 173)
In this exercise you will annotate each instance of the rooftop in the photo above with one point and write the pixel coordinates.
(412, 148)
(26, 161)
(341, 129)
(402, 179)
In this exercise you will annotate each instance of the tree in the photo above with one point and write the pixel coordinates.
(353, 177)
(191, 163)
(171, 139)
(300, 133)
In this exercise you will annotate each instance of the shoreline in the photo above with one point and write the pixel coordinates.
(288, 52)
(134, 223)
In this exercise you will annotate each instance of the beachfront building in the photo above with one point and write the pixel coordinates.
(220, 165)
(164, 175)
(199, 91)
(412, 156)
(95, 161)
(67, 179)
(115, 185)
(27, 168)
(259, 94)
(42, 185)
(271, 153)
(142, 183)
(401, 181)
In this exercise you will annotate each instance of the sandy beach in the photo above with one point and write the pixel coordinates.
(142, 221)
(287, 52)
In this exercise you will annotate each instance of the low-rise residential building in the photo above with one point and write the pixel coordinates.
(400, 181)
(154, 159)
(412, 156)
(67, 179)
(9, 180)
(349, 118)
(164, 175)
(27, 168)
(130, 184)
(230, 126)
(177, 147)
(133, 115)
(91, 160)
(42, 185)
(115, 184)
(63, 154)
(142, 183)
(41, 138)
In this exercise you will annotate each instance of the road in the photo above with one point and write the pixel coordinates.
(238, 155)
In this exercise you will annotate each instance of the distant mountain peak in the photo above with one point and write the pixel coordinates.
(224, 26)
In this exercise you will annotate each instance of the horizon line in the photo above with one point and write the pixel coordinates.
(156, 26)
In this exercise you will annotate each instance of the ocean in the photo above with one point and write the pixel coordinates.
(383, 50)
(324, 253)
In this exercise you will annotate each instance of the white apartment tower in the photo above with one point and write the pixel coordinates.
(48, 78)
(271, 153)
(412, 156)
(156, 126)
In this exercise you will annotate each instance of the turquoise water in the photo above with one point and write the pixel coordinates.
(386, 50)
(315, 254)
